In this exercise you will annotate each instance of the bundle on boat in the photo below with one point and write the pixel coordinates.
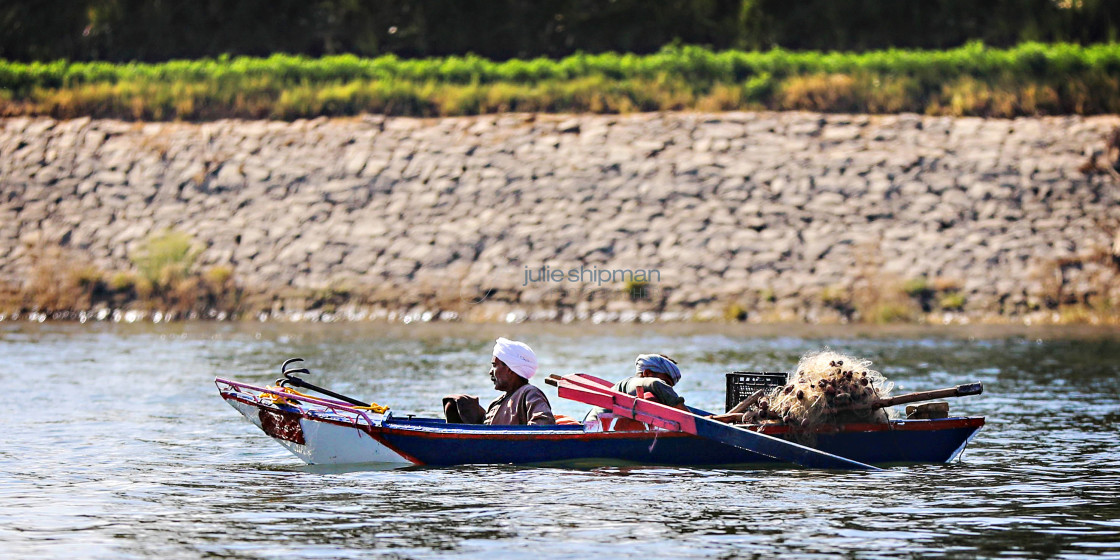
(827, 388)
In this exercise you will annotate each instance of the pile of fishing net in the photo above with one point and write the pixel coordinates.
(827, 388)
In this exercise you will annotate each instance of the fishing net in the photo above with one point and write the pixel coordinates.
(827, 388)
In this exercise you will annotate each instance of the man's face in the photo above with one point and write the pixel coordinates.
(662, 376)
(501, 375)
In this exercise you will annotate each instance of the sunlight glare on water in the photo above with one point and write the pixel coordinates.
(118, 446)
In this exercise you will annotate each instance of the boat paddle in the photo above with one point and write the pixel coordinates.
(291, 379)
(597, 392)
(958, 391)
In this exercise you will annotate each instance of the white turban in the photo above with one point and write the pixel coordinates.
(517, 355)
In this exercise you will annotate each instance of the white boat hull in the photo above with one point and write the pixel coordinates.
(325, 442)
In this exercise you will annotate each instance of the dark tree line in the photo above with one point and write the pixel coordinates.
(154, 30)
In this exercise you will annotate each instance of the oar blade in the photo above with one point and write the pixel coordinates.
(970, 389)
(578, 394)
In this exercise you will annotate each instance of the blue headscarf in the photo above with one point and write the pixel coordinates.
(658, 364)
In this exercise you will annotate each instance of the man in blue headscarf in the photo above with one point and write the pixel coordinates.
(656, 375)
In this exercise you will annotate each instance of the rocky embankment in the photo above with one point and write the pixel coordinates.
(762, 216)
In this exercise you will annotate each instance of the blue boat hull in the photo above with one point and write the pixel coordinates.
(431, 442)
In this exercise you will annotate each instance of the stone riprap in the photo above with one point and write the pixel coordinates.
(778, 215)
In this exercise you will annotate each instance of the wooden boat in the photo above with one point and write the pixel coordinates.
(329, 431)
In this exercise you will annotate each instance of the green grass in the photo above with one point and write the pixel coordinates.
(165, 258)
(1029, 79)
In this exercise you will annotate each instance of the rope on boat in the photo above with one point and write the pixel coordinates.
(373, 407)
(279, 399)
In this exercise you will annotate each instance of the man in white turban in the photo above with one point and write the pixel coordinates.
(513, 364)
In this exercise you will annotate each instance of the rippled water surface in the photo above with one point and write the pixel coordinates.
(116, 445)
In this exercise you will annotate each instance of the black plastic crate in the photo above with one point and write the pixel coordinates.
(742, 384)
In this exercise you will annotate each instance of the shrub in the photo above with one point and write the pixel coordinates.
(889, 312)
(916, 287)
(165, 258)
(637, 290)
(122, 282)
(735, 312)
(218, 276)
(88, 277)
(952, 301)
(836, 297)
(59, 283)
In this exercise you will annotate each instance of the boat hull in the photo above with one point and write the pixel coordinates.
(336, 437)
(919, 441)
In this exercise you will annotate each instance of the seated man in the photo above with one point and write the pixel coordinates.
(513, 364)
(656, 375)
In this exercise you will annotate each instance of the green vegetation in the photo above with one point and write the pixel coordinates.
(916, 287)
(165, 279)
(888, 312)
(838, 298)
(952, 301)
(331, 298)
(637, 290)
(125, 30)
(881, 300)
(735, 312)
(165, 258)
(972, 80)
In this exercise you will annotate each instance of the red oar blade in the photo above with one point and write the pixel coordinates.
(579, 394)
(576, 393)
(592, 379)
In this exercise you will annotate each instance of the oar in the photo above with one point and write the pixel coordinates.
(580, 388)
(596, 398)
(605, 383)
(290, 379)
(958, 391)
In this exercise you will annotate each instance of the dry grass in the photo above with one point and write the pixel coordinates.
(879, 297)
(820, 93)
(59, 283)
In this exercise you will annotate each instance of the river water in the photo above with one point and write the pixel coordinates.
(116, 445)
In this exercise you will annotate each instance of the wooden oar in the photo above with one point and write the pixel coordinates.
(580, 387)
(958, 391)
(600, 399)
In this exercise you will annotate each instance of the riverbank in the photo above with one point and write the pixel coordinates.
(646, 217)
